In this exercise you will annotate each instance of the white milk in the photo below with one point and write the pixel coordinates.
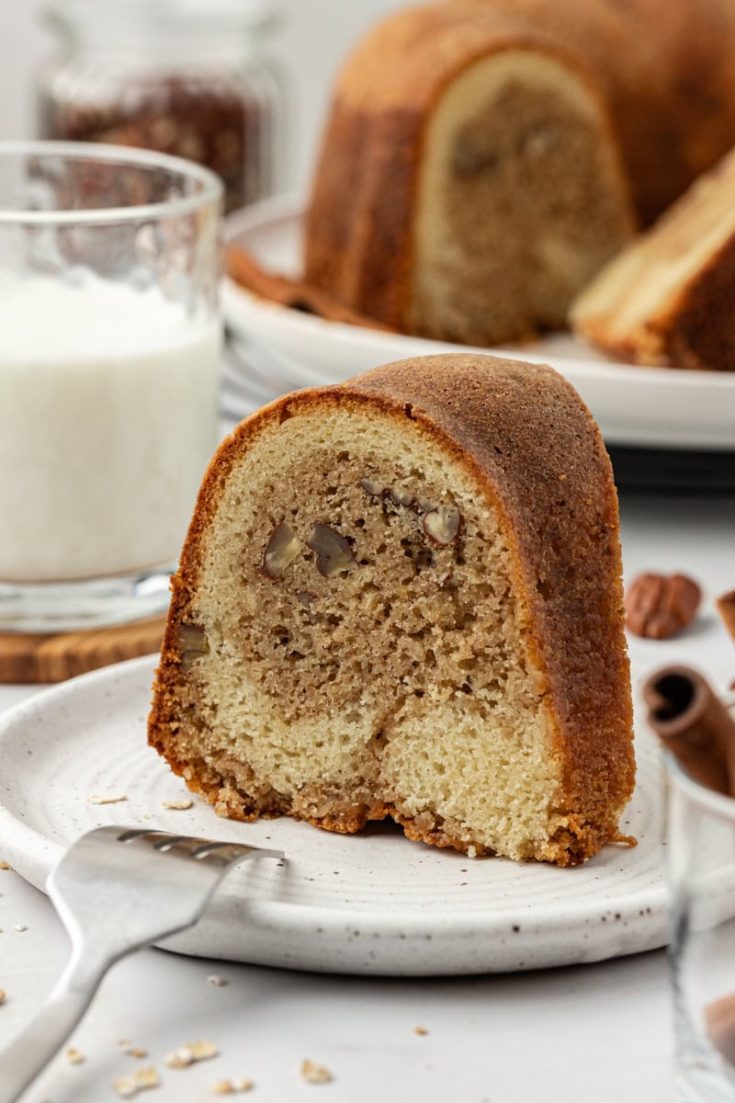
(107, 421)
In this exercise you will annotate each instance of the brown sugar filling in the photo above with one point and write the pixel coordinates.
(424, 614)
(520, 202)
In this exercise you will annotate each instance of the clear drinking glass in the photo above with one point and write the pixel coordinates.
(701, 844)
(109, 350)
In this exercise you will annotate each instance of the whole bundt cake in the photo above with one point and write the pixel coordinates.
(401, 597)
(484, 158)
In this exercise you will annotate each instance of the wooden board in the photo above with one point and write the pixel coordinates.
(44, 658)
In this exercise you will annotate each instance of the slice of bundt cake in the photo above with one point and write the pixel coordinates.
(401, 597)
(668, 298)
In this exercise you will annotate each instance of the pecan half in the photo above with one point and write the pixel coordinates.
(658, 606)
(280, 551)
(442, 524)
(333, 551)
(726, 608)
(193, 643)
(371, 487)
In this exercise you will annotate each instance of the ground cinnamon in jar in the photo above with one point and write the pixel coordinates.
(190, 80)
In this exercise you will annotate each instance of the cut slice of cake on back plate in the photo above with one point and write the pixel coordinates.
(401, 597)
(668, 298)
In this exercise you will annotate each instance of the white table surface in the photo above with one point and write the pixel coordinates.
(590, 1034)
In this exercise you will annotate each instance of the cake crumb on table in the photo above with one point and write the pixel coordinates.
(314, 1073)
(20, 927)
(3, 995)
(232, 1087)
(5, 865)
(131, 1050)
(216, 981)
(107, 798)
(188, 1054)
(420, 1030)
(74, 1056)
(178, 805)
(141, 1080)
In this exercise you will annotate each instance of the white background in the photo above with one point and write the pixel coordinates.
(316, 35)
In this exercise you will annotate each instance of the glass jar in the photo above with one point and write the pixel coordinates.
(190, 78)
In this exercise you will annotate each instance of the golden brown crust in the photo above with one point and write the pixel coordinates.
(698, 330)
(562, 516)
(533, 448)
(666, 81)
(644, 347)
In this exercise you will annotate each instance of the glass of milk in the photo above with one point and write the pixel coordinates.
(109, 348)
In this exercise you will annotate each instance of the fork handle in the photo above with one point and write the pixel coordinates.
(29, 1053)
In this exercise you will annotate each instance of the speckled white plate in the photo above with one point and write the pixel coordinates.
(371, 903)
(651, 407)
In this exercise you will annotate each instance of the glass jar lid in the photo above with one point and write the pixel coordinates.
(190, 16)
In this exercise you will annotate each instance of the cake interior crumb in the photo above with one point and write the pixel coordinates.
(388, 686)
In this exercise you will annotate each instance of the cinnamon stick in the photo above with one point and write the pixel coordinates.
(694, 725)
(244, 269)
(719, 1017)
(726, 608)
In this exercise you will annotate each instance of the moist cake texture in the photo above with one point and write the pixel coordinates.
(520, 200)
(400, 597)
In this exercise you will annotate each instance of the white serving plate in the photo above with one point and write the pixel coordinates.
(653, 407)
(373, 903)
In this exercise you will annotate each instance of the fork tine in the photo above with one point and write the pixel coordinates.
(165, 843)
(220, 850)
(224, 853)
(128, 836)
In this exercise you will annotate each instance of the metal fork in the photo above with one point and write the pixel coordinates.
(116, 890)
